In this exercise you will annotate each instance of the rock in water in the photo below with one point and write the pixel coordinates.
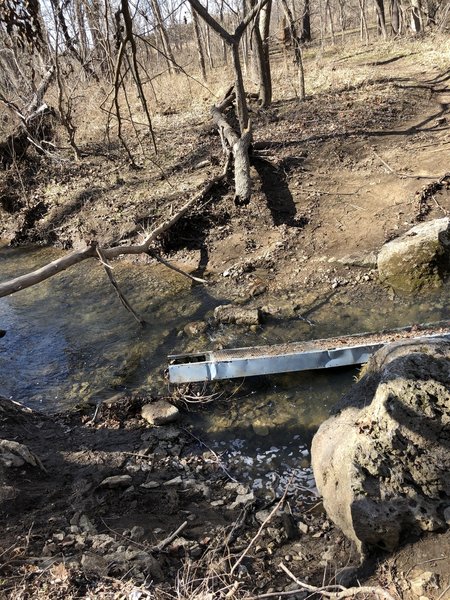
(229, 313)
(418, 258)
(159, 413)
(382, 462)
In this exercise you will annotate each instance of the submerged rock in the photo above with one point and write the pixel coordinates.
(418, 258)
(382, 462)
(229, 313)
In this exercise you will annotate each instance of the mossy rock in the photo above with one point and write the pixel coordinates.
(418, 259)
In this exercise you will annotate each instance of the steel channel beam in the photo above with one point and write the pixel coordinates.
(206, 367)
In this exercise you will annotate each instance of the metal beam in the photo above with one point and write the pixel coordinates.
(298, 356)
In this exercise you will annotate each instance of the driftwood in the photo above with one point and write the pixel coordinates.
(65, 262)
(238, 146)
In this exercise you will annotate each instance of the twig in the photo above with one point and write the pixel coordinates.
(176, 269)
(444, 592)
(403, 175)
(337, 592)
(258, 533)
(169, 539)
(115, 285)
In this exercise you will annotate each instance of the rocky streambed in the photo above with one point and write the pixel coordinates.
(109, 504)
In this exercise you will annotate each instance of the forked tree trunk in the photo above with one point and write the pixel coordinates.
(416, 16)
(364, 28)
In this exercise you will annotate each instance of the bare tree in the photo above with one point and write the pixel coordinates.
(298, 59)
(167, 48)
(237, 144)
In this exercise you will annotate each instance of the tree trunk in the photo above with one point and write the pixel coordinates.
(201, 57)
(167, 49)
(79, 13)
(330, 17)
(381, 18)
(297, 48)
(395, 17)
(99, 51)
(262, 64)
(241, 101)
(305, 35)
(264, 26)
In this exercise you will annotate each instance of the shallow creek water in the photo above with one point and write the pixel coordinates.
(69, 340)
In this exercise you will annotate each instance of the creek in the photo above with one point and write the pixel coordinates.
(69, 341)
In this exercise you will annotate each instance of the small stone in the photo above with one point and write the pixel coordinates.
(217, 503)
(93, 564)
(116, 481)
(159, 413)
(421, 582)
(195, 328)
(303, 527)
(242, 499)
(173, 482)
(228, 313)
(447, 515)
(137, 533)
(86, 525)
(150, 485)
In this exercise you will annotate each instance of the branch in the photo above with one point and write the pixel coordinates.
(115, 285)
(248, 19)
(174, 268)
(211, 21)
(338, 592)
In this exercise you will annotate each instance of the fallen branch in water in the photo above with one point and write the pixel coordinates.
(61, 264)
(115, 285)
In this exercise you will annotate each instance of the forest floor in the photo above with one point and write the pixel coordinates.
(362, 160)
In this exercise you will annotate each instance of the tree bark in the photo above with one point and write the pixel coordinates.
(395, 17)
(198, 39)
(381, 18)
(306, 23)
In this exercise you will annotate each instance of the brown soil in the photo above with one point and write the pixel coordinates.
(335, 177)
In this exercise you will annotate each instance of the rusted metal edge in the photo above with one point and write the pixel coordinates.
(288, 358)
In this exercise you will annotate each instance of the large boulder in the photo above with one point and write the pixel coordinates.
(382, 461)
(418, 258)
